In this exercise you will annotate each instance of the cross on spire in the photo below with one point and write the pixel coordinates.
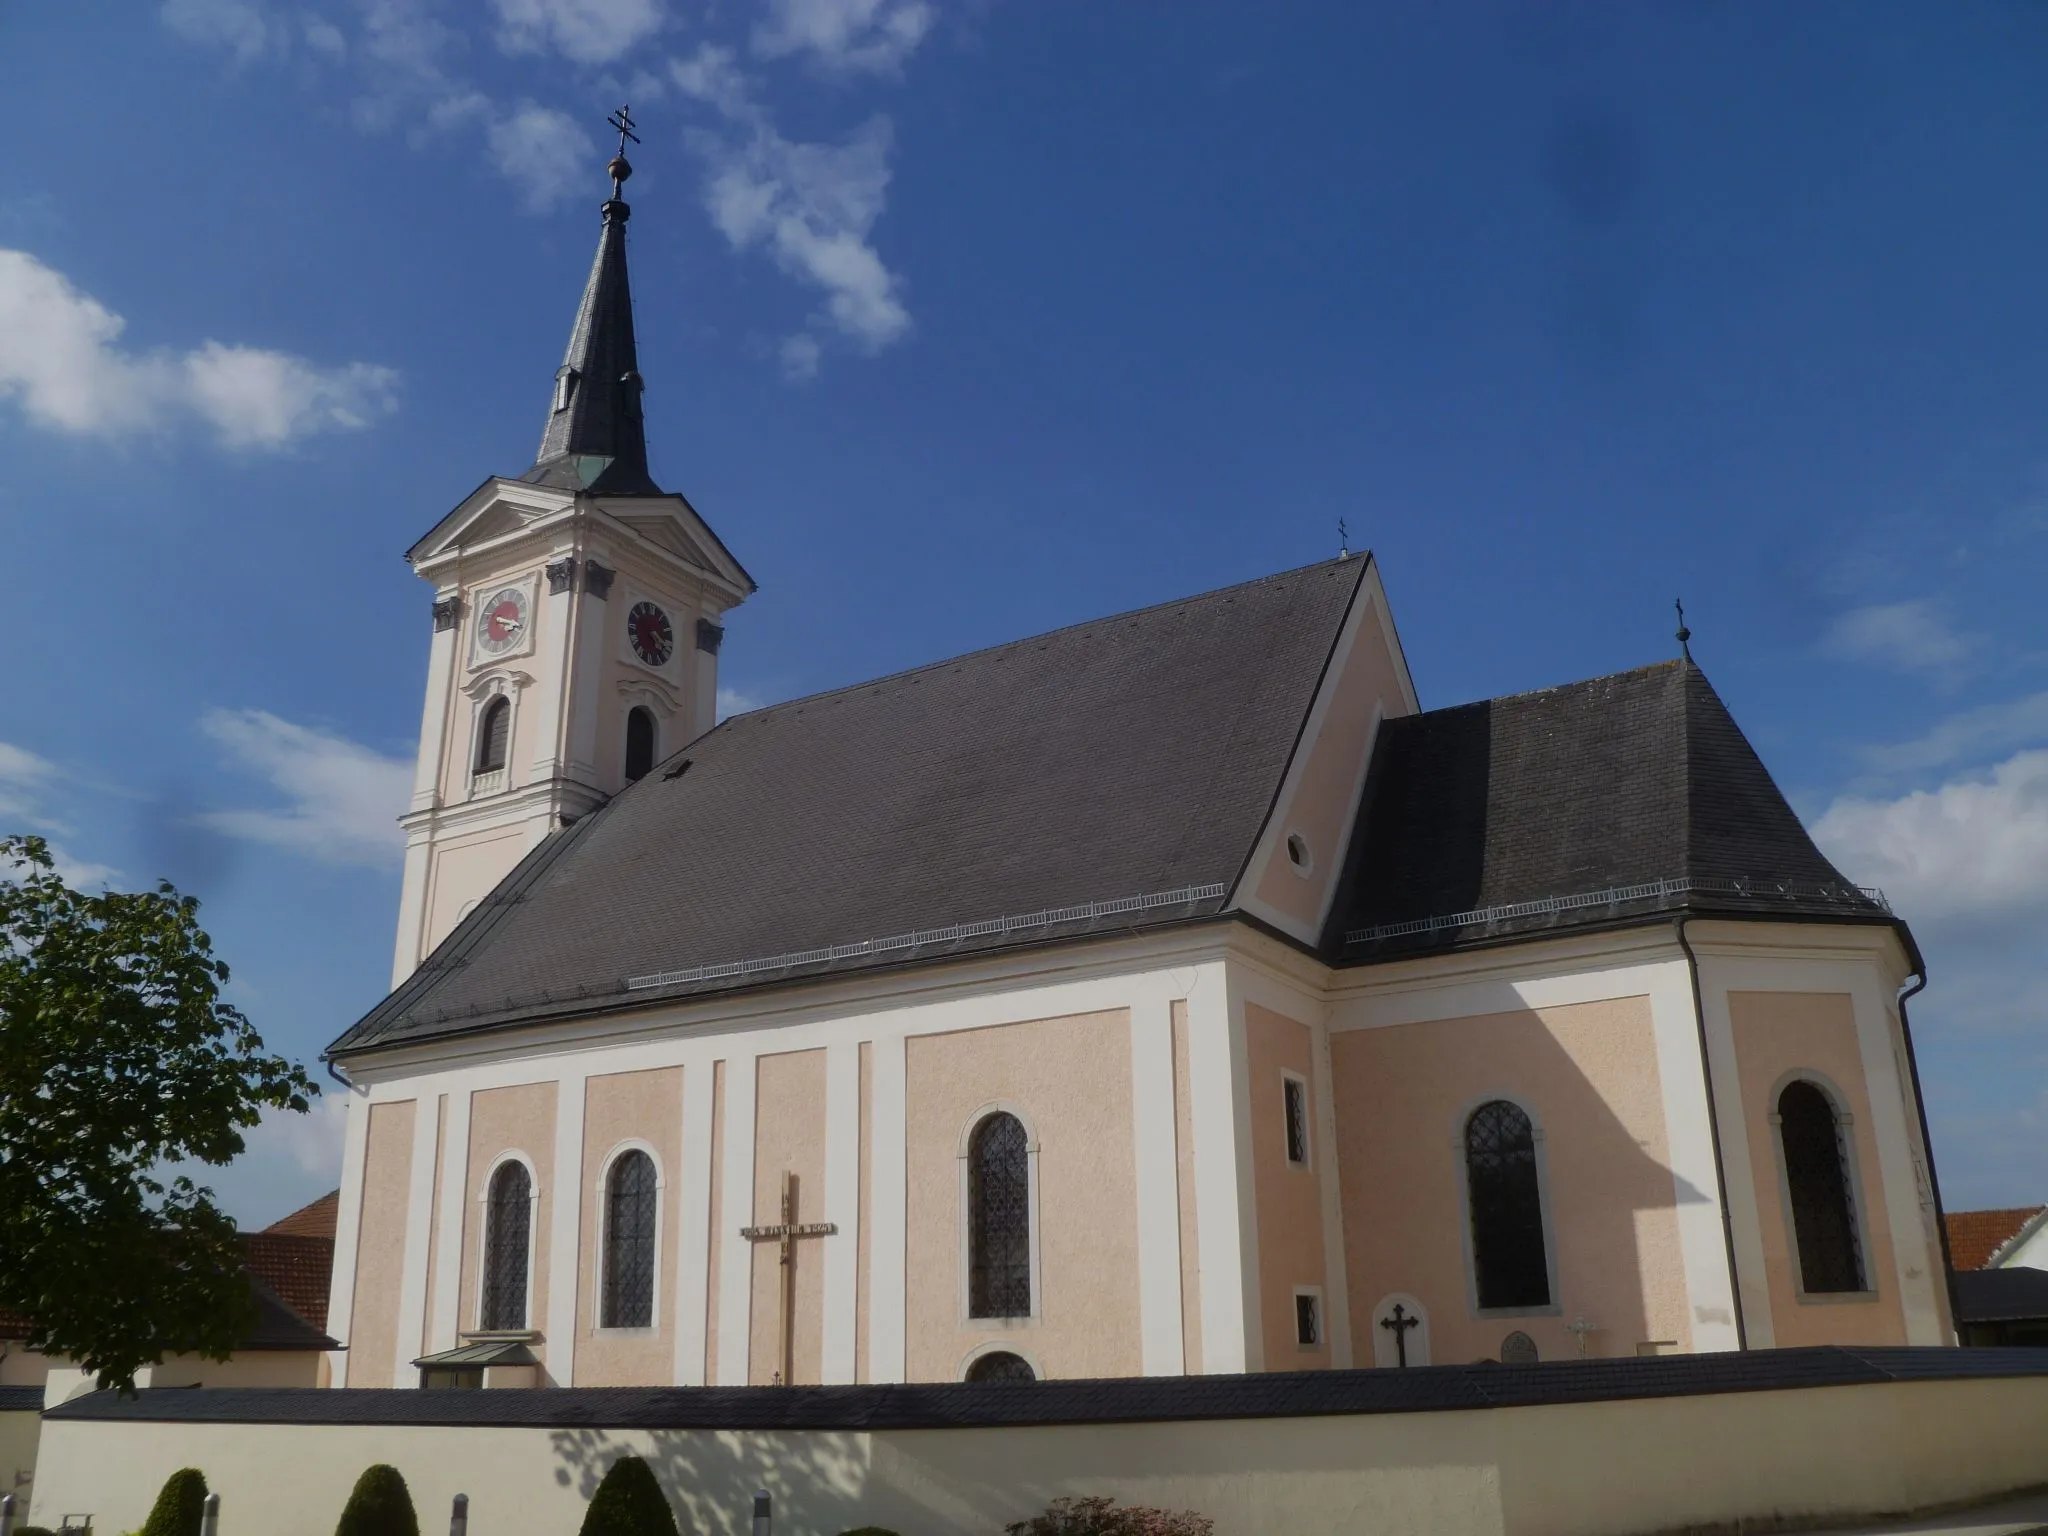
(621, 167)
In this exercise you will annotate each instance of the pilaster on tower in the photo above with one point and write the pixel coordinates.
(578, 611)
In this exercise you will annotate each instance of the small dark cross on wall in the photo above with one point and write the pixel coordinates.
(786, 1232)
(1399, 1324)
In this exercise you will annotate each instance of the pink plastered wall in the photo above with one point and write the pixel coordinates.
(1289, 1195)
(1070, 1079)
(789, 1136)
(502, 1120)
(1776, 1034)
(1587, 1074)
(620, 1108)
(380, 1243)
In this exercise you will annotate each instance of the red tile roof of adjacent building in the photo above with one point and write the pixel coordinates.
(315, 1220)
(1975, 1236)
(297, 1269)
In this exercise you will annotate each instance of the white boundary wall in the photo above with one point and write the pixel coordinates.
(1612, 1468)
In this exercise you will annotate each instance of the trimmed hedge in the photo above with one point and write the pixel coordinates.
(380, 1505)
(629, 1502)
(1102, 1516)
(179, 1507)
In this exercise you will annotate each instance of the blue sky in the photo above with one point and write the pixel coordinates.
(963, 321)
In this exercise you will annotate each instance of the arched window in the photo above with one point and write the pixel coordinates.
(508, 1223)
(998, 1219)
(493, 733)
(1508, 1259)
(1001, 1365)
(629, 1194)
(1817, 1175)
(639, 742)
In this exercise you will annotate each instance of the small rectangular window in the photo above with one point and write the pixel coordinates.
(1295, 1093)
(1308, 1318)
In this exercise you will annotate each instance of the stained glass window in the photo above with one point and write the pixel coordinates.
(508, 1220)
(1001, 1365)
(1817, 1171)
(629, 1196)
(1507, 1208)
(999, 1219)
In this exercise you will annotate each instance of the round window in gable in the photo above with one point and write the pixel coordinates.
(1298, 855)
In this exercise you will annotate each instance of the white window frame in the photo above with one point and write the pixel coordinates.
(1307, 1163)
(483, 1230)
(652, 1326)
(1546, 1207)
(1859, 1210)
(966, 1216)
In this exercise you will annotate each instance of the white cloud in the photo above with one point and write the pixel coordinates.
(1976, 845)
(26, 781)
(851, 36)
(1912, 636)
(311, 1142)
(1988, 728)
(344, 798)
(733, 702)
(243, 28)
(585, 31)
(544, 153)
(800, 356)
(810, 206)
(59, 358)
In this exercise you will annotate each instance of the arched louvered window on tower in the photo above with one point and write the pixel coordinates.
(999, 1218)
(1815, 1142)
(508, 1230)
(1000, 1365)
(629, 1201)
(639, 742)
(493, 735)
(1510, 1266)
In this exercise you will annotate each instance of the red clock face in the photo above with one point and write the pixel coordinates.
(501, 619)
(653, 637)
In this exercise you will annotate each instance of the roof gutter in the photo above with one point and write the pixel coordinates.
(1699, 1019)
(1948, 1263)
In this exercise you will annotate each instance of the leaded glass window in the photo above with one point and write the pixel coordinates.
(629, 1195)
(999, 1219)
(494, 735)
(508, 1223)
(1817, 1175)
(1508, 1258)
(1294, 1103)
(1001, 1365)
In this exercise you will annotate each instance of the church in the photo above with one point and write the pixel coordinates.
(1167, 995)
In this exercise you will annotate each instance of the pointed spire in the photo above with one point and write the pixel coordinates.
(594, 439)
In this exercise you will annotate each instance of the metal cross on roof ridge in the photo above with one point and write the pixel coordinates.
(623, 121)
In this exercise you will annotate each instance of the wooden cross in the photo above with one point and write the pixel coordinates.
(1399, 1324)
(786, 1232)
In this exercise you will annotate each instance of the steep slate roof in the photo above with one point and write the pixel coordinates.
(1131, 757)
(1975, 1237)
(1637, 780)
(2017, 1295)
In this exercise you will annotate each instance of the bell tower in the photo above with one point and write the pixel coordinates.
(577, 617)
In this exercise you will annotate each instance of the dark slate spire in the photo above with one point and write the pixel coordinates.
(595, 439)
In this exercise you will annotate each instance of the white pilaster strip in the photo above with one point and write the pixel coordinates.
(1745, 1219)
(1221, 1197)
(736, 1210)
(1914, 1267)
(1689, 1137)
(447, 1319)
(842, 1207)
(419, 1228)
(348, 1224)
(693, 1248)
(889, 1206)
(564, 1269)
(1336, 1265)
(1152, 1135)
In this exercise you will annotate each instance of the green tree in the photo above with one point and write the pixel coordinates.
(629, 1502)
(379, 1505)
(178, 1508)
(117, 1057)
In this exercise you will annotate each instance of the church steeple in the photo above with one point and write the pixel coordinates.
(595, 439)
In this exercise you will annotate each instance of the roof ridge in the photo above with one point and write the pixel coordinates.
(1549, 688)
(1363, 557)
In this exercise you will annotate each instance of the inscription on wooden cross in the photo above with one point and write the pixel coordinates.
(787, 1232)
(1398, 1323)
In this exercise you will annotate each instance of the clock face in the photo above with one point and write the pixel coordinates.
(653, 637)
(501, 621)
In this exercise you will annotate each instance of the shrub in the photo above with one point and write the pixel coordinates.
(869, 1530)
(379, 1506)
(33, 1530)
(1101, 1516)
(629, 1502)
(179, 1506)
